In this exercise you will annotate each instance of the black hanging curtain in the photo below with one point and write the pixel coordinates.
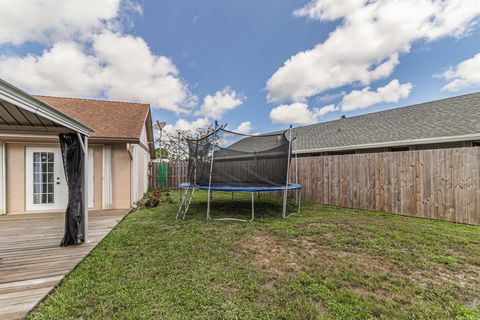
(73, 163)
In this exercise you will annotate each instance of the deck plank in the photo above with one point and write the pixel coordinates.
(32, 262)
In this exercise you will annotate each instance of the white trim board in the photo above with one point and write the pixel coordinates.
(3, 191)
(91, 172)
(134, 174)
(107, 177)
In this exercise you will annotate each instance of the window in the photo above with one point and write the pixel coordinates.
(43, 177)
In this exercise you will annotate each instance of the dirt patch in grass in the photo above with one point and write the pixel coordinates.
(272, 254)
(443, 276)
(281, 258)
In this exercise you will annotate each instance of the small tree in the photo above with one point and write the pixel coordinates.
(176, 146)
(161, 153)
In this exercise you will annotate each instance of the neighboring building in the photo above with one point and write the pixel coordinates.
(446, 123)
(120, 148)
(421, 160)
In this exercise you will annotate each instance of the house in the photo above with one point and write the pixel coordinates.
(421, 160)
(120, 146)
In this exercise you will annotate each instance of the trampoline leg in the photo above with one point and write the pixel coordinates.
(208, 205)
(284, 212)
(179, 198)
(299, 201)
(253, 206)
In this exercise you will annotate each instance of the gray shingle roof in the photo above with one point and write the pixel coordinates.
(427, 122)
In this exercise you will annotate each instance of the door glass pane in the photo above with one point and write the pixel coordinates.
(43, 177)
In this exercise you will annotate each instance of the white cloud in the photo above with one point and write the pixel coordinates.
(464, 75)
(121, 67)
(132, 72)
(62, 70)
(244, 127)
(361, 99)
(183, 124)
(214, 106)
(86, 55)
(47, 21)
(366, 45)
(298, 113)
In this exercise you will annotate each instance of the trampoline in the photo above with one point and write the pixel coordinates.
(291, 186)
(226, 161)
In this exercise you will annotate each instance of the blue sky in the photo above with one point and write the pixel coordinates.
(201, 61)
(221, 43)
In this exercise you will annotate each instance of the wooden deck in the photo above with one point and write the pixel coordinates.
(31, 260)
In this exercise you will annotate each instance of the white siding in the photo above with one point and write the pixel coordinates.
(3, 206)
(140, 162)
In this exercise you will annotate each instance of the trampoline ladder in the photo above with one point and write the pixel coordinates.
(185, 203)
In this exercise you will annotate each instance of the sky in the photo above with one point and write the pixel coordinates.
(255, 65)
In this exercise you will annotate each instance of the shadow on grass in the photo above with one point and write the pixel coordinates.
(238, 207)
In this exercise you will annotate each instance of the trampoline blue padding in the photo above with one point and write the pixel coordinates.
(291, 186)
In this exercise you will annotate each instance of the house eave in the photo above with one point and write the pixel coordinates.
(31, 104)
(467, 137)
(150, 136)
(27, 135)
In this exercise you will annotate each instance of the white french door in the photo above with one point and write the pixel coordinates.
(46, 186)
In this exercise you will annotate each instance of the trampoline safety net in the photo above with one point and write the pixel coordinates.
(238, 159)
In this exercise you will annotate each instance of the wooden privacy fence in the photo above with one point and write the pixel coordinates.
(439, 184)
(177, 173)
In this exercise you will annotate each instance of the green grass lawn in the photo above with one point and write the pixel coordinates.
(326, 263)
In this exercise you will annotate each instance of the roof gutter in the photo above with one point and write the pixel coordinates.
(23, 100)
(466, 137)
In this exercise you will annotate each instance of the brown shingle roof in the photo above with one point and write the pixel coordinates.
(109, 119)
